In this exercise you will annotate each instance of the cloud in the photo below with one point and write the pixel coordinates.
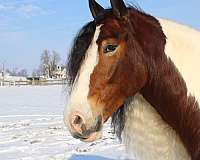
(4, 7)
(30, 10)
(14, 12)
(23, 9)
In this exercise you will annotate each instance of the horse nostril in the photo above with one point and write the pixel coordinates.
(77, 123)
(79, 128)
(77, 120)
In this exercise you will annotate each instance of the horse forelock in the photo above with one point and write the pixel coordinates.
(78, 51)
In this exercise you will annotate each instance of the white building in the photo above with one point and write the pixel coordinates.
(60, 72)
(7, 79)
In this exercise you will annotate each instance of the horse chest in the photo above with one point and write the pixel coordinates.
(147, 136)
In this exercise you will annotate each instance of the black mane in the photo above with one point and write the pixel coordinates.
(119, 118)
(77, 54)
(118, 121)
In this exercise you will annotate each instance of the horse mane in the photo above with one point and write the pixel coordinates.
(119, 119)
(79, 48)
(166, 89)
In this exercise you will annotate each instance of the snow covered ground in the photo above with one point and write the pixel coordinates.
(31, 128)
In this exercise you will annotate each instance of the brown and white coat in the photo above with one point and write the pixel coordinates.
(147, 69)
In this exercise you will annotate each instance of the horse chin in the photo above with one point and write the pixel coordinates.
(93, 137)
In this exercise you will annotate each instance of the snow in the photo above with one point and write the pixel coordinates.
(31, 128)
(7, 77)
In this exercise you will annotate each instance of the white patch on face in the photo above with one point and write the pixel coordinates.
(184, 50)
(78, 102)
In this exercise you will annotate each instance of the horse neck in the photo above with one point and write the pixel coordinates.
(166, 91)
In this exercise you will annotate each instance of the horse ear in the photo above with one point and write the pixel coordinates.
(119, 8)
(95, 8)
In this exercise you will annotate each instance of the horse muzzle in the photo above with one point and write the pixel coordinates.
(80, 130)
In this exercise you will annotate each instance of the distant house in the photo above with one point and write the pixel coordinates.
(7, 77)
(59, 72)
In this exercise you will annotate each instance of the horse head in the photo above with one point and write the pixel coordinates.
(107, 65)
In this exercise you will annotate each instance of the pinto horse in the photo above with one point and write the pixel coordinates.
(142, 71)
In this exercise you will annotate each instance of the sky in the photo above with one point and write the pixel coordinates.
(27, 27)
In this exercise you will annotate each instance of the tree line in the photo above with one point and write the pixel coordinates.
(49, 60)
(16, 72)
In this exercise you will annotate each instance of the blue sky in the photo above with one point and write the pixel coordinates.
(27, 27)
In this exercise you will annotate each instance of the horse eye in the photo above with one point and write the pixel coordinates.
(110, 48)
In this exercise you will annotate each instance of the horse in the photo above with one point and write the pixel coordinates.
(143, 72)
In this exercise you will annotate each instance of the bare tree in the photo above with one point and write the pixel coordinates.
(7, 71)
(48, 63)
(55, 59)
(22, 73)
(14, 72)
(45, 65)
(36, 73)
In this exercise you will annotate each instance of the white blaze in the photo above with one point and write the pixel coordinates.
(78, 99)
